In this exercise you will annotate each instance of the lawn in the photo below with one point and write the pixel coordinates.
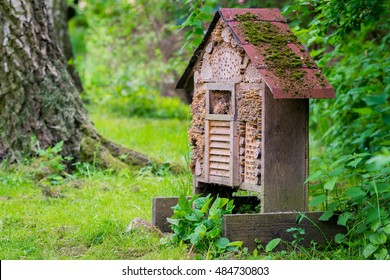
(85, 215)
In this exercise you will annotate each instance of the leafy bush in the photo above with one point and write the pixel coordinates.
(358, 186)
(200, 224)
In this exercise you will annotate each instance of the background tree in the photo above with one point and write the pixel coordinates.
(39, 103)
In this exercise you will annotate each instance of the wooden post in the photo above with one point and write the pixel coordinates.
(284, 165)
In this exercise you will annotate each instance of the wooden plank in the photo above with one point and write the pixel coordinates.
(222, 145)
(284, 156)
(220, 180)
(162, 209)
(250, 187)
(219, 158)
(219, 117)
(265, 227)
(219, 124)
(215, 151)
(220, 130)
(222, 138)
(206, 150)
(220, 86)
(216, 172)
(221, 166)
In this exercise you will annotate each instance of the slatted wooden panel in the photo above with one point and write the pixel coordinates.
(219, 160)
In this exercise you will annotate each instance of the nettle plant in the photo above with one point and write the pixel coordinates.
(198, 221)
(358, 188)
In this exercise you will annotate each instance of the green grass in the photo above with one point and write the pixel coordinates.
(165, 140)
(89, 218)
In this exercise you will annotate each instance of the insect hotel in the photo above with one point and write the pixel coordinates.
(252, 80)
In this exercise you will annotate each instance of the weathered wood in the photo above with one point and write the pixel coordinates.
(220, 158)
(265, 227)
(218, 117)
(221, 145)
(218, 165)
(219, 124)
(221, 138)
(220, 130)
(235, 178)
(162, 209)
(206, 150)
(250, 187)
(214, 151)
(284, 154)
(217, 172)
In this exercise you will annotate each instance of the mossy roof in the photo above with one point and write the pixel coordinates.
(282, 61)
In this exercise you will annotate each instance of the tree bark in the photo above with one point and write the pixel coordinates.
(39, 104)
(57, 11)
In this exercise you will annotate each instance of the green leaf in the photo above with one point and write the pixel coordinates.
(363, 111)
(377, 238)
(381, 254)
(386, 229)
(191, 217)
(222, 243)
(316, 175)
(369, 250)
(214, 209)
(200, 201)
(173, 221)
(235, 244)
(213, 233)
(207, 9)
(194, 238)
(355, 193)
(272, 244)
(326, 215)
(339, 237)
(200, 230)
(355, 162)
(318, 200)
(329, 184)
(336, 172)
(343, 218)
(340, 160)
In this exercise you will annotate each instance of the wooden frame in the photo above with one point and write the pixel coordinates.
(233, 179)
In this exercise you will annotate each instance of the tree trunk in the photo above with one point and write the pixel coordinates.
(39, 104)
(57, 11)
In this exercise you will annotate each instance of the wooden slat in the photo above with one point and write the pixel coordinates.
(220, 166)
(222, 138)
(219, 124)
(218, 117)
(217, 172)
(220, 159)
(220, 130)
(222, 145)
(214, 151)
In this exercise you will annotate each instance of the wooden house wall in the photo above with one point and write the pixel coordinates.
(223, 61)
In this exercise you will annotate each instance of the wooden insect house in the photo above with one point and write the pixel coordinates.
(252, 80)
